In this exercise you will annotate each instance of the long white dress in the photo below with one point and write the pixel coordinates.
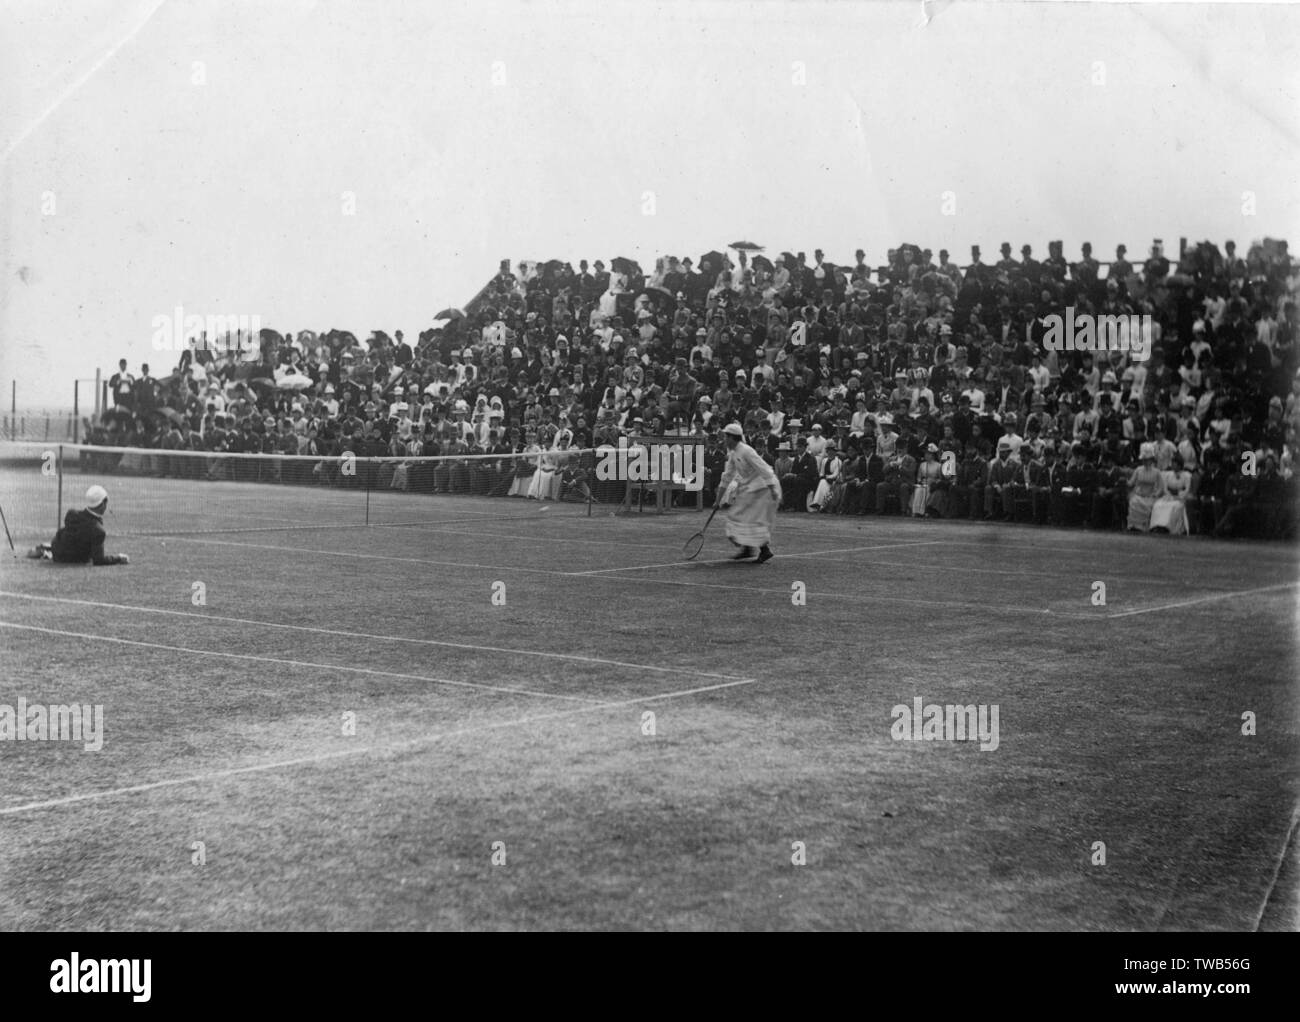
(754, 493)
(520, 485)
(1170, 511)
(546, 480)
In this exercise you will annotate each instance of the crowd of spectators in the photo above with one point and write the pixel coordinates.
(915, 387)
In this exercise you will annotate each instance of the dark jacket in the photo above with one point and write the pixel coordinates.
(82, 539)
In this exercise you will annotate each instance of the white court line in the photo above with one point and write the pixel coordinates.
(436, 529)
(1204, 599)
(857, 549)
(368, 635)
(292, 663)
(374, 557)
(786, 557)
(395, 747)
(1023, 573)
(747, 566)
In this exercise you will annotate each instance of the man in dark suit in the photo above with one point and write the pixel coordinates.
(968, 493)
(801, 480)
(1075, 498)
(1048, 481)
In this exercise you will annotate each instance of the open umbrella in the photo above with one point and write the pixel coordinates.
(450, 314)
(788, 258)
(762, 263)
(262, 383)
(662, 298)
(294, 381)
(714, 259)
(745, 246)
(622, 264)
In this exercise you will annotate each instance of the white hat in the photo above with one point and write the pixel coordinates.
(95, 496)
(733, 429)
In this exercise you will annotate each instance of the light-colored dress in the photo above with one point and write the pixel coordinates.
(1145, 486)
(530, 457)
(753, 492)
(1170, 511)
(830, 471)
(927, 474)
(546, 480)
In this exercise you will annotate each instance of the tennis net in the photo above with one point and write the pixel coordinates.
(178, 492)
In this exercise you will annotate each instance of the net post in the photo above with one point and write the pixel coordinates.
(58, 514)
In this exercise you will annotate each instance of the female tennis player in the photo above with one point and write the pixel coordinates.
(751, 493)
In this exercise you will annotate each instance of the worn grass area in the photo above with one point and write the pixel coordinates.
(1119, 724)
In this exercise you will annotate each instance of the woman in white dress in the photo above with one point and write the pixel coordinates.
(751, 493)
(1146, 485)
(928, 474)
(546, 480)
(1169, 513)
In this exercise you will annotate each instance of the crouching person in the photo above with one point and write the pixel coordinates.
(82, 537)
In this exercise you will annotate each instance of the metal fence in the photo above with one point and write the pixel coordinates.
(41, 427)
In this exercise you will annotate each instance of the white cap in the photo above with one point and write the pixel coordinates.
(95, 496)
(733, 428)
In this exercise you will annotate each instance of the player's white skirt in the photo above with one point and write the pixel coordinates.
(751, 517)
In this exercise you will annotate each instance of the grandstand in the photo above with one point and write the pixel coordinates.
(885, 362)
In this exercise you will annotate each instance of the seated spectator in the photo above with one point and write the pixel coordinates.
(1146, 484)
(1169, 514)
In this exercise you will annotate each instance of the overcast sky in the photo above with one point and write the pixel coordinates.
(199, 153)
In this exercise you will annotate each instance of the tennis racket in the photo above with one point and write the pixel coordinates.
(692, 547)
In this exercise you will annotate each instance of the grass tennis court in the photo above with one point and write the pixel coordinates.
(523, 724)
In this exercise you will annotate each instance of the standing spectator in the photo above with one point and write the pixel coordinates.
(122, 384)
(145, 392)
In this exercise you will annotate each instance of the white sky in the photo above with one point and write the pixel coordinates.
(226, 197)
